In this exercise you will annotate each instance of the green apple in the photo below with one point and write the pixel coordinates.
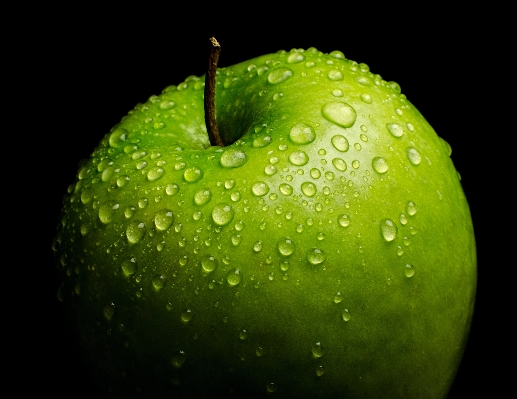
(326, 251)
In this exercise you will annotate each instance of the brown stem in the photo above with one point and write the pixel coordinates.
(211, 124)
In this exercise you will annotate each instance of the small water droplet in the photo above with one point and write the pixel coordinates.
(339, 113)
(315, 173)
(193, 174)
(172, 189)
(186, 316)
(285, 189)
(178, 358)
(343, 220)
(295, 58)
(118, 137)
(366, 98)
(107, 211)
(409, 271)
(260, 189)
(279, 75)
(340, 143)
(402, 219)
(320, 370)
(222, 214)
(243, 334)
(339, 164)
(135, 231)
(236, 239)
(257, 247)
(380, 165)
(318, 350)
(414, 155)
(302, 134)
(389, 229)
(411, 208)
(155, 173)
(158, 282)
(208, 264)
(298, 158)
(335, 75)
(345, 315)
(338, 297)
(202, 197)
(285, 246)
(395, 129)
(234, 277)
(109, 311)
(271, 387)
(315, 256)
(309, 189)
(164, 219)
(233, 158)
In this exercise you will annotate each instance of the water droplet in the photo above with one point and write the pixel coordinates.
(260, 188)
(107, 211)
(320, 370)
(202, 197)
(302, 134)
(389, 229)
(172, 189)
(340, 143)
(414, 155)
(337, 54)
(366, 98)
(163, 220)
(285, 246)
(316, 256)
(193, 174)
(356, 164)
(315, 173)
(294, 58)
(167, 104)
(208, 264)
(109, 311)
(261, 140)
(234, 277)
(298, 158)
(411, 208)
(335, 75)
(271, 387)
(338, 297)
(186, 316)
(236, 239)
(178, 358)
(142, 203)
(155, 173)
(339, 164)
(395, 129)
(243, 334)
(158, 282)
(118, 137)
(285, 189)
(337, 93)
(257, 247)
(135, 231)
(380, 165)
(259, 352)
(317, 350)
(279, 75)
(343, 220)
(402, 219)
(339, 113)
(222, 214)
(320, 236)
(233, 158)
(345, 315)
(309, 189)
(409, 271)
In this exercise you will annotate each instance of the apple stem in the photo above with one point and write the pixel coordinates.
(210, 121)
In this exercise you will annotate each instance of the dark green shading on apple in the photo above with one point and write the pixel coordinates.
(327, 251)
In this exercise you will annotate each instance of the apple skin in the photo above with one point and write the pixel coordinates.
(328, 251)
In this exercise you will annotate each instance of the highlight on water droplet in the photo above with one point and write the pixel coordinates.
(178, 358)
(298, 158)
(380, 165)
(342, 114)
(260, 189)
(193, 174)
(279, 75)
(233, 158)
(309, 189)
(302, 134)
(285, 246)
(208, 264)
(411, 208)
(388, 229)
(164, 219)
(135, 231)
(129, 267)
(234, 277)
(202, 197)
(315, 256)
(222, 214)
(395, 129)
(409, 271)
(340, 143)
(414, 155)
(317, 350)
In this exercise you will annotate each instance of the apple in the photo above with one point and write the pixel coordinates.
(324, 250)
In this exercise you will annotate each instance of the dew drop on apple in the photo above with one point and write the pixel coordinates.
(135, 231)
(123, 180)
(366, 98)
(178, 358)
(155, 173)
(295, 58)
(395, 129)
(380, 165)
(234, 277)
(411, 208)
(339, 164)
(285, 246)
(158, 282)
(271, 387)
(109, 311)
(309, 189)
(208, 264)
(143, 202)
(340, 143)
(409, 271)
(318, 350)
(202, 197)
(285, 189)
(107, 211)
(260, 188)
(193, 174)
(345, 315)
(335, 75)
(233, 158)
(389, 229)
(186, 316)
(172, 189)
(243, 334)
(414, 155)
(343, 220)
(315, 173)
(339, 113)
(222, 214)
(302, 134)
(118, 137)
(279, 75)
(257, 246)
(129, 267)
(261, 140)
(298, 158)
(163, 219)
(338, 297)
(402, 219)
(315, 256)
(270, 170)
(86, 196)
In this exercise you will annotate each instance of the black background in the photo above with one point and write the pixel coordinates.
(82, 72)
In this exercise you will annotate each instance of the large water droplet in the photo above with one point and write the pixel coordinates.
(107, 211)
(340, 143)
(202, 197)
(118, 137)
(339, 113)
(309, 189)
(339, 164)
(389, 229)
(234, 277)
(380, 165)
(318, 350)
(295, 58)
(286, 189)
(193, 174)
(135, 231)
(233, 158)
(163, 219)
(155, 173)
(285, 246)
(279, 75)
(298, 158)
(302, 134)
(411, 208)
(129, 267)
(335, 75)
(222, 214)
(315, 256)
(260, 188)
(208, 264)
(395, 129)
(414, 156)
